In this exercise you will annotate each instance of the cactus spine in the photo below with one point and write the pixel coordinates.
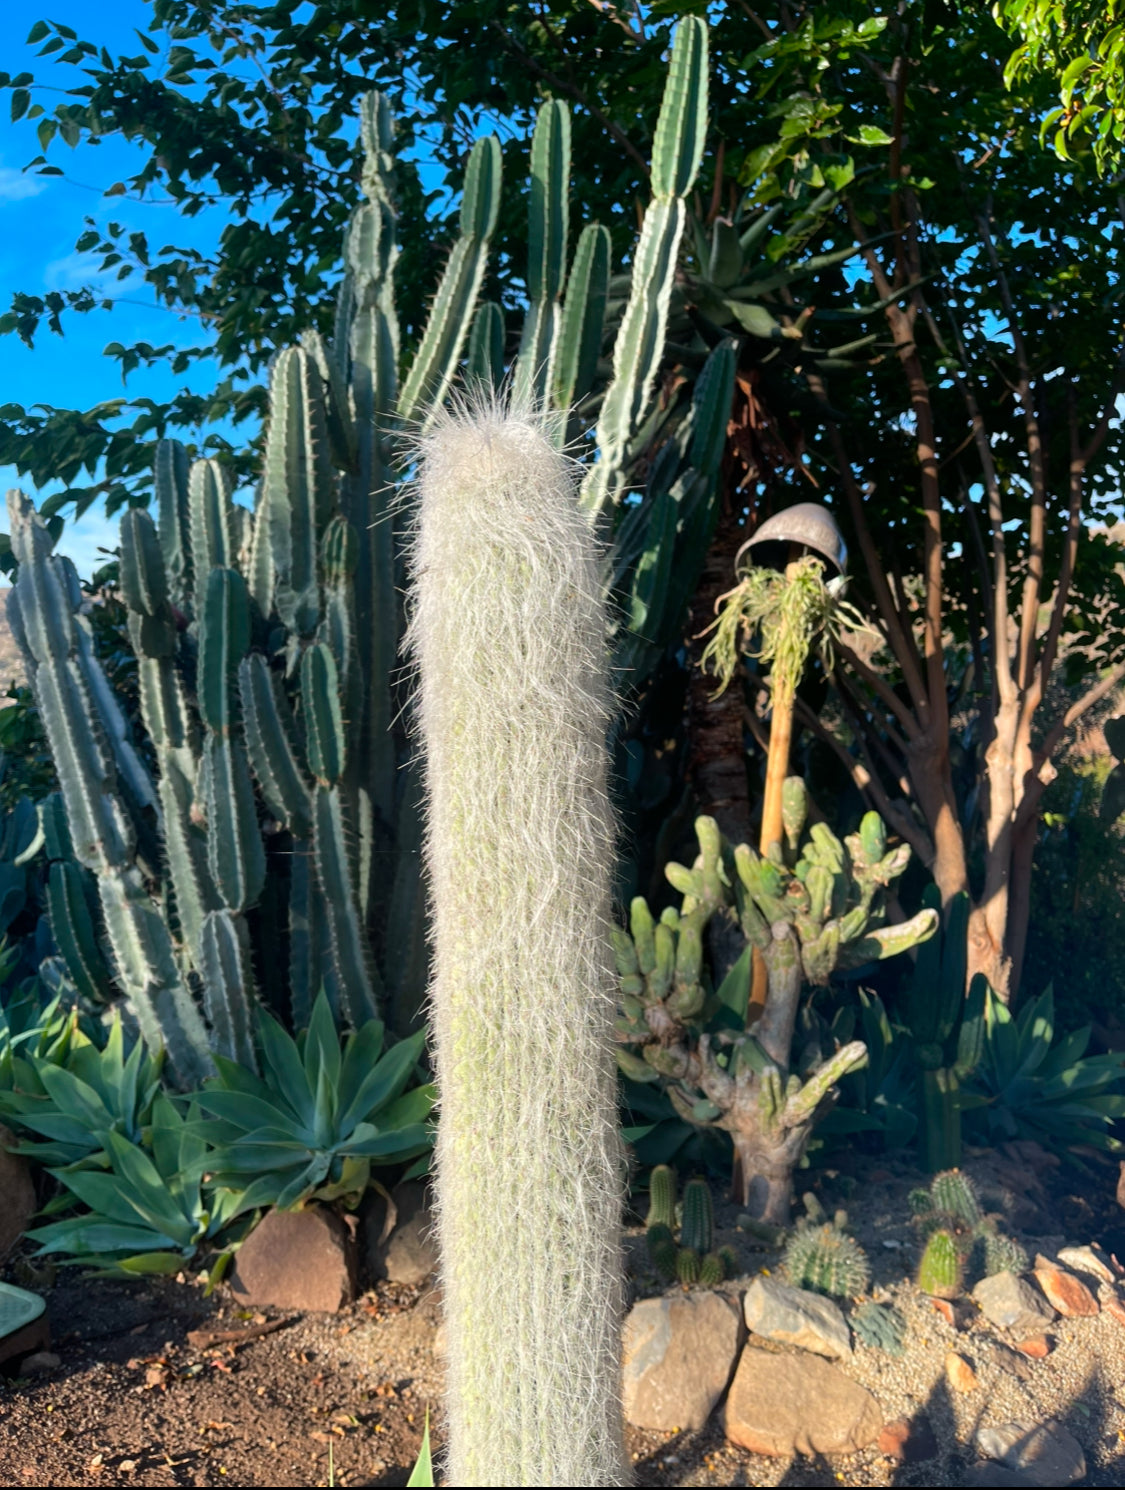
(509, 635)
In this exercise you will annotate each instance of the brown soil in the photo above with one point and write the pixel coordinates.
(139, 1398)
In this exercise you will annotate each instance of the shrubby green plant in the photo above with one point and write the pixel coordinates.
(70, 1093)
(817, 908)
(150, 1212)
(1027, 1084)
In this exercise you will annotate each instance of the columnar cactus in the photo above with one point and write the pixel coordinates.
(942, 1269)
(508, 631)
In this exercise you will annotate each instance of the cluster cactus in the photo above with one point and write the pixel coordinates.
(950, 1217)
(880, 1327)
(814, 908)
(821, 1256)
(947, 1026)
(695, 1259)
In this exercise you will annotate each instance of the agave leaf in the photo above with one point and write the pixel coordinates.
(75, 1098)
(90, 1234)
(146, 1192)
(382, 1085)
(322, 1044)
(251, 1112)
(285, 1071)
(412, 1107)
(403, 1143)
(302, 1185)
(361, 1053)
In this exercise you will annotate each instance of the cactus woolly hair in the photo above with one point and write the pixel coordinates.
(508, 633)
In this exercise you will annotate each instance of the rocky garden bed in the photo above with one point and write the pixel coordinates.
(751, 1382)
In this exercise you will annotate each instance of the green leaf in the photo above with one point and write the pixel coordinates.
(423, 1472)
(383, 1084)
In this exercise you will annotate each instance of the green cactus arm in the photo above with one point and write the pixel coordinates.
(682, 125)
(298, 494)
(268, 727)
(356, 977)
(209, 503)
(339, 421)
(228, 982)
(546, 260)
(133, 778)
(235, 855)
(170, 470)
(224, 640)
(45, 619)
(578, 343)
(185, 850)
(485, 363)
(72, 927)
(306, 935)
(324, 721)
(146, 969)
(406, 962)
(436, 359)
(640, 341)
(801, 1106)
(888, 941)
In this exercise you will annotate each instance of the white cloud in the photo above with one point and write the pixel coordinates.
(16, 187)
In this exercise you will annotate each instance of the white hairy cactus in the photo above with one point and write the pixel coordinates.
(508, 631)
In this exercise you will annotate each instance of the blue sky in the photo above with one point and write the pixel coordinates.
(41, 217)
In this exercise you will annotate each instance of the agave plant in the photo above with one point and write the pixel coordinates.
(1025, 1085)
(310, 1126)
(150, 1212)
(72, 1094)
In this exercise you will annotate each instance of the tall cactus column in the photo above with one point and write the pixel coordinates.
(508, 630)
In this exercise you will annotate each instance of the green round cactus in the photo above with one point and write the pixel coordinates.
(954, 1194)
(729, 1259)
(942, 1268)
(826, 1260)
(1003, 1255)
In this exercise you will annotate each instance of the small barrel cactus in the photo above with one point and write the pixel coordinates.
(697, 1226)
(711, 1271)
(827, 1260)
(1003, 1255)
(942, 1267)
(953, 1194)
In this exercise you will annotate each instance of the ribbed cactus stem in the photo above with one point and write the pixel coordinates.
(508, 631)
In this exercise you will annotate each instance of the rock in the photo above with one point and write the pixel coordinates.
(1112, 1302)
(793, 1316)
(39, 1364)
(987, 1474)
(678, 1356)
(1045, 1452)
(17, 1194)
(959, 1374)
(1064, 1292)
(1012, 1304)
(1012, 1361)
(785, 1404)
(956, 1312)
(1038, 1347)
(297, 1260)
(909, 1440)
(409, 1254)
(1090, 1260)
